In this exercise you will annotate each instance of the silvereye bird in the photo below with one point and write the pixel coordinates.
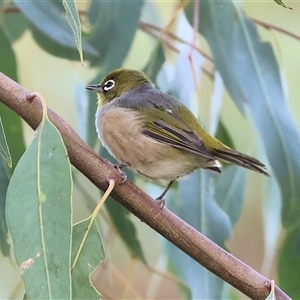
(154, 134)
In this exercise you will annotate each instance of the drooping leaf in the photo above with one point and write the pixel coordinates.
(91, 255)
(251, 75)
(289, 263)
(48, 19)
(39, 215)
(11, 121)
(194, 204)
(73, 19)
(14, 25)
(114, 23)
(216, 103)
(223, 135)
(229, 191)
(126, 229)
(282, 4)
(156, 60)
(7, 65)
(4, 180)
(4, 151)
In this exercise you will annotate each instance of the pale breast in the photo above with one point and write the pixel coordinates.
(120, 131)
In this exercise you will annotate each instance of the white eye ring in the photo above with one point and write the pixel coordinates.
(108, 85)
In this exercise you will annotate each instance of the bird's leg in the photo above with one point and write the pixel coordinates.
(119, 167)
(161, 199)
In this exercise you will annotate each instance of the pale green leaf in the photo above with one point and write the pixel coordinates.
(41, 230)
(73, 19)
(91, 255)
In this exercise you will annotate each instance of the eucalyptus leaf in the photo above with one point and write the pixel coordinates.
(114, 24)
(39, 215)
(156, 60)
(14, 25)
(223, 135)
(47, 18)
(91, 255)
(282, 4)
(229, 191)
(4, 151)
(195, 204)
(4, 181)
(120, 217)
(289, 263)
(73, 19)
(251, 75)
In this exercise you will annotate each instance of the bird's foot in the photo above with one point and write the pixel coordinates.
(119, 167)
(161, 202)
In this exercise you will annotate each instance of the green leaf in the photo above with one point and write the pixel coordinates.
(223, 135)
(282, 4)
(251, 75)
(11, 121)
(157, 58)
(120, 217)
(14, 133)
(7, 65)
(74, 22)
(4, 151)
(4, 180)
(114, 23)
(289, 263)
(48, 19)
(39, 215)
(91, 255)
(14, 25)
(229, 191)
(195, 205)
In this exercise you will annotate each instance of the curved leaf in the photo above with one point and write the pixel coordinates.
(47, 17)
(4, 181)
(91, 255)
(4, 151)
(289, 263)
(74, 22)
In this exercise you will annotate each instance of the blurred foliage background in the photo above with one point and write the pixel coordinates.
(44, 58)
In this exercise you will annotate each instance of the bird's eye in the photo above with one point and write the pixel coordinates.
(108, 85)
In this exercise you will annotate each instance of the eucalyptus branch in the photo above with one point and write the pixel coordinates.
(99, 172)
(276, 28)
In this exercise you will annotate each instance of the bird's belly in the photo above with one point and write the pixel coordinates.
(120, 131)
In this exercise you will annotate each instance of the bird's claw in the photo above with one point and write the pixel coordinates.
(161, 202)
(119, 167)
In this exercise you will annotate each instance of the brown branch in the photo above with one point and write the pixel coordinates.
(276, 28)
(185, 237)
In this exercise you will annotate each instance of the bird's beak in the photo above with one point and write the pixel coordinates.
(95, 87)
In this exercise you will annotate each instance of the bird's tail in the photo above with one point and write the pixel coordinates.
(240, 159)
